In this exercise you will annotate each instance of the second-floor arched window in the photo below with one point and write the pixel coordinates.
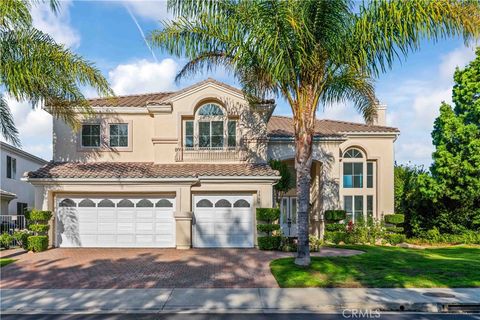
(210, 129)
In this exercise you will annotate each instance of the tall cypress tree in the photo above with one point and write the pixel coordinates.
(456, 160)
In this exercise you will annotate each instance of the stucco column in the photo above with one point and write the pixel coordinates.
(183, 218)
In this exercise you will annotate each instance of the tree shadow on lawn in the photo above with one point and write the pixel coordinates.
(386, 267)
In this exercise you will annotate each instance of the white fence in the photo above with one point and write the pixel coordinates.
(11, 223)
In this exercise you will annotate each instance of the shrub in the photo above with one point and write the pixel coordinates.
(314, 243)
(37, 243)
(269, 242)
(335, 215)
(335, 227)
(6, 240)
(21, 236)
(268, 214)
(38, 215)
(394, 238)
(394, 229)
(267, 228)
(39, 228)
(288, 244)
(335, 236)
(433, 236)
(394, 218)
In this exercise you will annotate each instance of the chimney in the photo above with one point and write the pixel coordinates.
(381, 118)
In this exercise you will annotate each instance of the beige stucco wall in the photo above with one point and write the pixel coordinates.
(260, 190)
(327, 192)
(157, 130)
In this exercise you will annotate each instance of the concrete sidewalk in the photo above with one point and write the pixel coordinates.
(232, 300)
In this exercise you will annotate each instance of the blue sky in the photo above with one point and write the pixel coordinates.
(105, 33)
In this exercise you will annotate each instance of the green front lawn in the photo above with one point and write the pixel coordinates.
(385, 267)
(5, 261)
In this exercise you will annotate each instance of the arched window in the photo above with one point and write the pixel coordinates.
(241, 204)
(353, 153)
(125, 203)
(223, 203)
(144, 203)
(87, 203)
(204, 203)
(210, 109)
(106, 203)
(67, 203)
(211, 129)
(164, 203)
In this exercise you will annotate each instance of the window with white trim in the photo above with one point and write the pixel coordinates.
(91, 135)
(118, 134)
(211, 129)
(11, 167)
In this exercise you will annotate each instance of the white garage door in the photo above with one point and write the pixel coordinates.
(223, 222)
(115, 222)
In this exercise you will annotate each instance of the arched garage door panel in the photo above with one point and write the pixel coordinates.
(115, 222)
(223, 221)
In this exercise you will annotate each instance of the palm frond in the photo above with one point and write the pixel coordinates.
(34, 68)
(9, 131)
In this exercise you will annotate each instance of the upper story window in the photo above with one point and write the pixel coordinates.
(210, 129)
(353, 169)
(119, 135)
(91, 135)
(11, 168)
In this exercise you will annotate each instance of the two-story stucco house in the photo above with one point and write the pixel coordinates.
(188, 168)
(16, 195)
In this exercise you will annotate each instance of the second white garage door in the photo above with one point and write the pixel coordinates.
(223, 221)
(115, 222)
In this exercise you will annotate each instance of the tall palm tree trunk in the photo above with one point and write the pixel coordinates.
(304, 129)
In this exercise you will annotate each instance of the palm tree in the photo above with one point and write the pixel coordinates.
(34, 68)
(309, 52)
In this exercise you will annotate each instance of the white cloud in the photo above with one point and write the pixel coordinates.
(416, 102)
(459, 57)
(144, 76)
(150, 10)
(56, 25)
(34, 126)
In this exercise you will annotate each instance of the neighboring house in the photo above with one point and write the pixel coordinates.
(16, 195)
(188, 168)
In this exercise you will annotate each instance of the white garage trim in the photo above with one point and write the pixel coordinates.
(108, 222)
(223, 221)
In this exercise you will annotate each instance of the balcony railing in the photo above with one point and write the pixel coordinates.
(210, 154)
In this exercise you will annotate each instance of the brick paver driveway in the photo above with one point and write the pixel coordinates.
(142, 268)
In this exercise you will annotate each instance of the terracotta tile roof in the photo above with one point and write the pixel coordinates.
(141, 100)
(134, 100)
(280, 126)
(119, 170)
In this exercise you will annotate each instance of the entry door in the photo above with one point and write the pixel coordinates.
(288, 216)
(223, 221)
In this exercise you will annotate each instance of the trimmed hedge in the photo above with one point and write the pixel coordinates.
(394, 229)
(268, 227)
(335, 236)
(269, 242)
(268, 214)
(37, 243)
(335, 215)
(38, 215)
(394, 218)
(394, 238)
(39, 228)
(335, 227)
(6, 240)
(21, 236)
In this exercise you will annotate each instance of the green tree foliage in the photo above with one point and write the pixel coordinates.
(34, 68)
(456, 160)
(312, 53)
(286, 181)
